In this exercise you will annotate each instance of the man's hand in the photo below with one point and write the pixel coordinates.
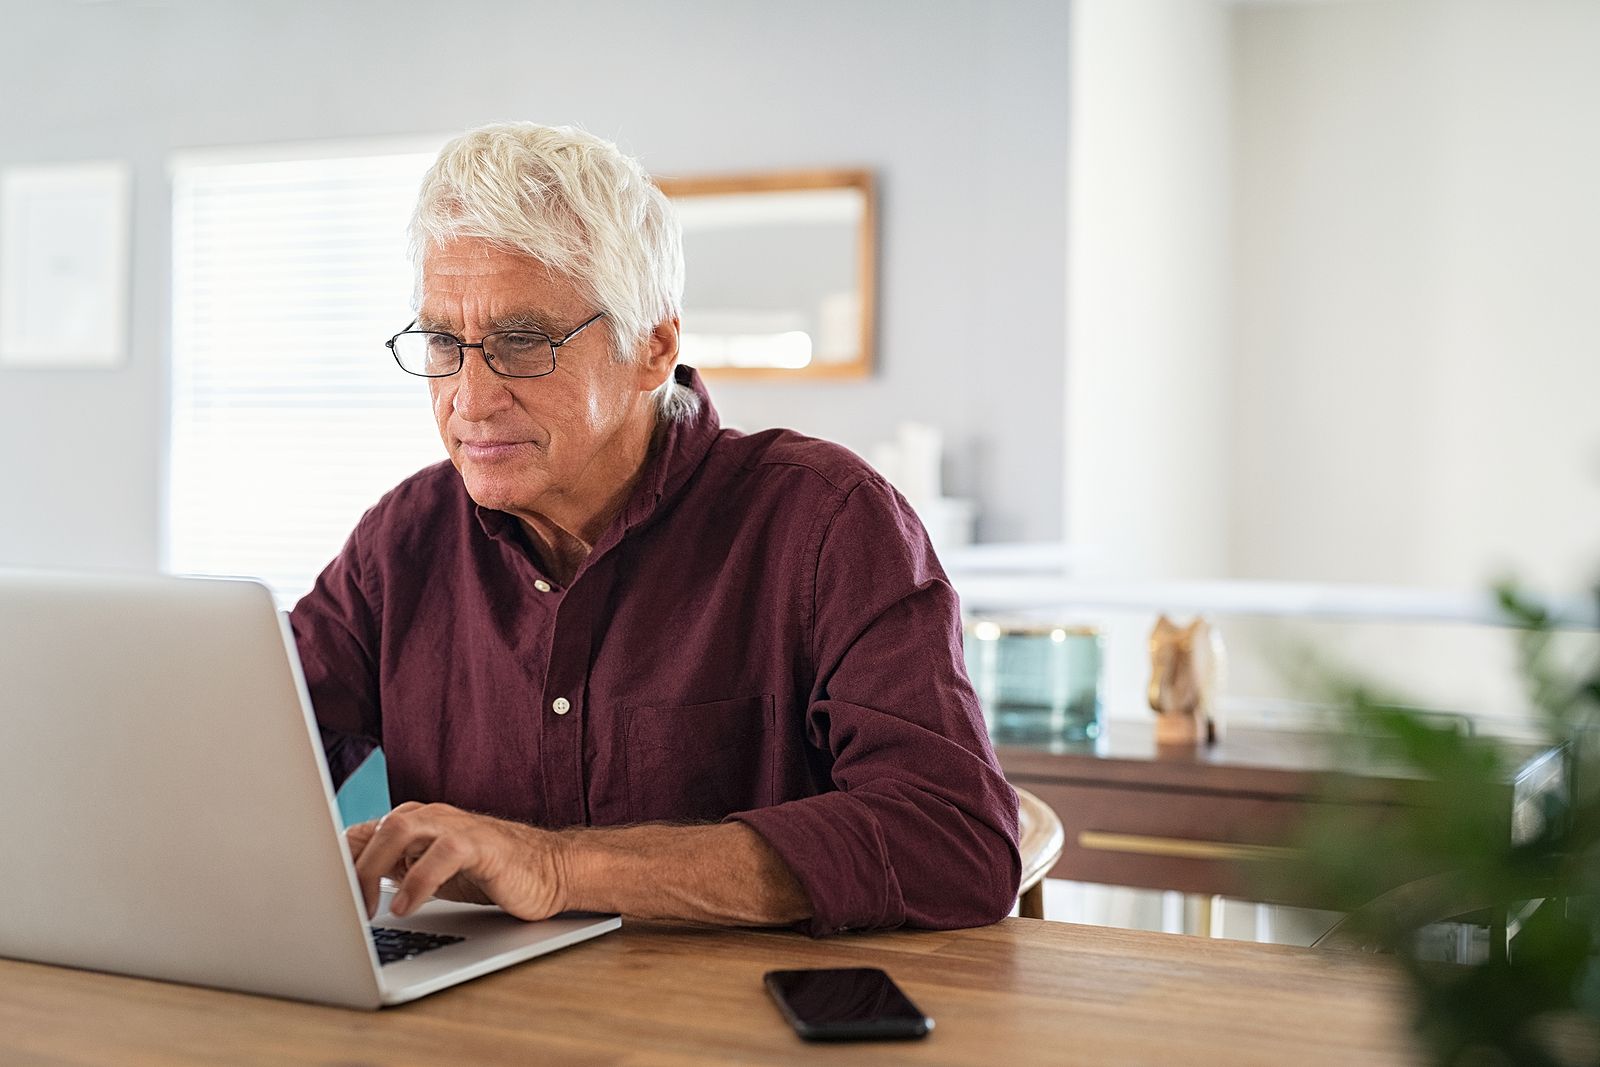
(718, 873)
(437, 850)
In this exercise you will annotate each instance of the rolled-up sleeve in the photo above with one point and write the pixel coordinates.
(336, 634)
(921, 829)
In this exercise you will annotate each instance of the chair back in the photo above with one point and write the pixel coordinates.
(1041, 839)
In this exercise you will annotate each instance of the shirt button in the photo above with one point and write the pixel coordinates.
(541, 585)
(562, 705)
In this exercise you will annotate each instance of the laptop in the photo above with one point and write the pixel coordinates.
(166, 811)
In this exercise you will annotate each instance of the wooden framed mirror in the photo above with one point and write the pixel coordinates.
(780, 274)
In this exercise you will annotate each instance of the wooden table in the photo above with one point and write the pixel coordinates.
(1193, 821)
(1022, 991)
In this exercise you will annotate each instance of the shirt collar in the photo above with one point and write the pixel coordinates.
(682, 449)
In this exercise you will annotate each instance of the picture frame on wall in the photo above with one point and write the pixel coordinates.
(64, 249)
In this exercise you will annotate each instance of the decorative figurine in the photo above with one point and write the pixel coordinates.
(1186, 665)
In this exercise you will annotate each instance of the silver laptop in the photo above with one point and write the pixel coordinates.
(165, 809)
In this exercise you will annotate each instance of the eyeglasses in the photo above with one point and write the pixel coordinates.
(509, 353)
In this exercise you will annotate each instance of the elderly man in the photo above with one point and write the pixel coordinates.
(619, 658)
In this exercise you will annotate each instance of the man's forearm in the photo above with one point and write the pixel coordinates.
(724, 873)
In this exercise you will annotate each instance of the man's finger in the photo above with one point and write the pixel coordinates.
(401, 809)
(399, 834)
(359, 836)
(445, 858)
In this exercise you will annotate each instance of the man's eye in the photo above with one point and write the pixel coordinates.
(441, 341)
(519, 342)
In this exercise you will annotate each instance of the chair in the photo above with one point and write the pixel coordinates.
(1041, 840)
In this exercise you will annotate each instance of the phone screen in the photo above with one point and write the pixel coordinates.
(844, 1004)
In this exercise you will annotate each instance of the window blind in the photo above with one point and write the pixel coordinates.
(289, 417)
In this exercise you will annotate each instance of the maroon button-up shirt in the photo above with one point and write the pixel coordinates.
(763, 634)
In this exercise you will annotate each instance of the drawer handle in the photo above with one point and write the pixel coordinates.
(1144, 845)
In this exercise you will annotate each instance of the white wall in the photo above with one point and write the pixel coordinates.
(1148, 288)
(959, 105)
(1417, 350)
(1332, 271)
(1418, 247)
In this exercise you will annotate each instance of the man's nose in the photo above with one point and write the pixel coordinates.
(480, 392)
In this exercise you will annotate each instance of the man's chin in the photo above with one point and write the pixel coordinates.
(493, 501)
(499, 492)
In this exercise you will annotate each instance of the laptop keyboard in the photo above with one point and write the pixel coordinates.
(395, 945)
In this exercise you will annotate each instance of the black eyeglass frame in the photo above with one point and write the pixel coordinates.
(462, 346)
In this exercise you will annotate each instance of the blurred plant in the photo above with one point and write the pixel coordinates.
(1455, 851)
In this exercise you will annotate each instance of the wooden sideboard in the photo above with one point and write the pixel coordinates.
(1200, 821)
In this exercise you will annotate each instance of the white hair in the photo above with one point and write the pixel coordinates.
(577, 204)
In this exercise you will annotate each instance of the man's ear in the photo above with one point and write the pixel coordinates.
(659, 352)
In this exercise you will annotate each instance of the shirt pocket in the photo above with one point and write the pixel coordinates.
(699, 762)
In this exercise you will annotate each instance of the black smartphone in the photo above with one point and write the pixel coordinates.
(845, 1004)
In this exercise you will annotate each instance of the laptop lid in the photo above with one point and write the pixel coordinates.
(164, 807)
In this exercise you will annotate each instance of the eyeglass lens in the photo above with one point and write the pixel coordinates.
(523, 355)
